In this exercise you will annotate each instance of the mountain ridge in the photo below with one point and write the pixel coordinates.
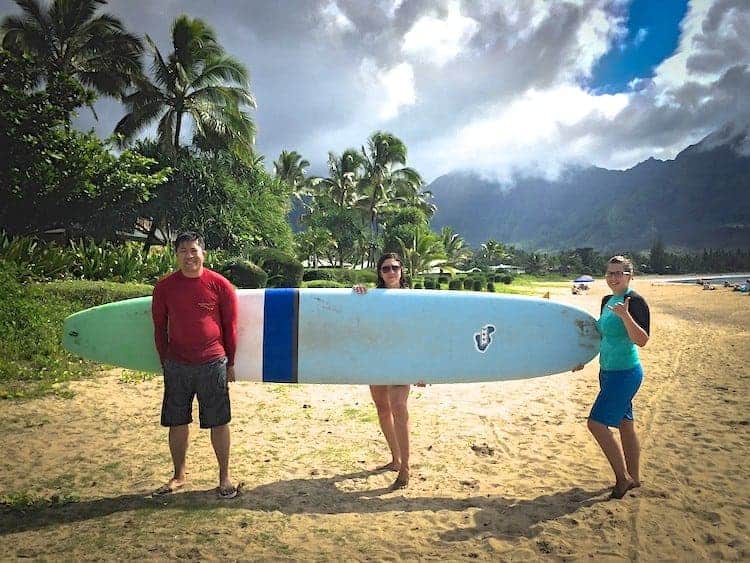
(700, 199)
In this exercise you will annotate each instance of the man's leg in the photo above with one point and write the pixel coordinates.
(178, 445)
(221, 441)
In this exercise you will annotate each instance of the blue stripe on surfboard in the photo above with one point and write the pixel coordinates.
(280, 323)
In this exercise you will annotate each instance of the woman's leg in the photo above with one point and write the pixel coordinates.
(614, 455)
(385, 417)
(631, 447)
(398, 396)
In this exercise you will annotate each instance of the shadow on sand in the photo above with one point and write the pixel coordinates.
(496, 515)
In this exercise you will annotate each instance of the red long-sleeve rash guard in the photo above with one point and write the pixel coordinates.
(195, 319)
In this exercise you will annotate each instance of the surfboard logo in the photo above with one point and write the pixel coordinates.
(483, 338)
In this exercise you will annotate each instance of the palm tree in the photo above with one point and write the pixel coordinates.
(494, 251)
(384, 153)
(69, 37)
(345, 176)
(422, 252)
(290, 168)
(454, 245)
(198, 80)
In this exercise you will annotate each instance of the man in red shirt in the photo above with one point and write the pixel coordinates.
(195, 329)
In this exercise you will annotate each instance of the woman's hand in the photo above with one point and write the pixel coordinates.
(360, 289)
(621, 309)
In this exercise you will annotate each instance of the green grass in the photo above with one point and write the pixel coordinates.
(24, 502)
(33, 362)
(364, 414)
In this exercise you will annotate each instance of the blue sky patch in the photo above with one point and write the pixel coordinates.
(653, 35)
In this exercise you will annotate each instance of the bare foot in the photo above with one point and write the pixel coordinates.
(401, 482)
(621, 489)
(390, 466)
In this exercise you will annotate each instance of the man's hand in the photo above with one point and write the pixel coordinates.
(230, 374)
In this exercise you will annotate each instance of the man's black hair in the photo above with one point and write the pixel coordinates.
(189, 236)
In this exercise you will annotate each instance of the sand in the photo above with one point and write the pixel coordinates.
(501, 471)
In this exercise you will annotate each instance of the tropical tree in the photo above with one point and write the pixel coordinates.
(494, 251)
(53, 177)
(345, 177)
(454, 245)
(200, 81)
(384, 168)
(313, 243)
(290, 168)
(422, 252)
(70, 37)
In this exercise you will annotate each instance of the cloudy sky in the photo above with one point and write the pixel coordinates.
(497, 86)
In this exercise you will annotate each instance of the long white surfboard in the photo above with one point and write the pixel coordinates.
(381, 337)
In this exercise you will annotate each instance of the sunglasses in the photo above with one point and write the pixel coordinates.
(393, 268)
(616, 274)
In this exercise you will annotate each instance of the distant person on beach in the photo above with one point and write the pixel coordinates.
(195, 328)
(624, 323)
(390, 400)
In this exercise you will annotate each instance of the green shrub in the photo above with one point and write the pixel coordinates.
(418, 285)
(477, 284)
(455, 284)
(468, 283)
(244, 274)
(491, 287)
(324, 283)
(507, 279)
(429, 283)
(283, 269)
(319, 274)
(444, 279)
(364, 276)
(32, 359)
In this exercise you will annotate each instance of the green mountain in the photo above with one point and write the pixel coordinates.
(701, 199)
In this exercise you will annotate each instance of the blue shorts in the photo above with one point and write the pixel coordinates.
(616, 391)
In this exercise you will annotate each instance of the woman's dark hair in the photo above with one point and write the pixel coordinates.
(393, 256)
(627, 265)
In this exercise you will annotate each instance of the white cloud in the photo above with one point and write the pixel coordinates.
(334, 19)
(640, 36)
(439, 41)
(528, 133)
(389, 89)
(596, 35)
(673, 72)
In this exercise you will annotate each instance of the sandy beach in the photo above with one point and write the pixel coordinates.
(500, 471)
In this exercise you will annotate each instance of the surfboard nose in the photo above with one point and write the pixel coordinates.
(71, 337)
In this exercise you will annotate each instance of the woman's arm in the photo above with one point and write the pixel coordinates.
(636, 333)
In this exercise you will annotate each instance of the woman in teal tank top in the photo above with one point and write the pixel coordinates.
(624, 325)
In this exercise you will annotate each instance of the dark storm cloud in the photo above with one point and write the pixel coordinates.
(318, 72)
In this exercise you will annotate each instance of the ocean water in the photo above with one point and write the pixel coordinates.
(716, 279)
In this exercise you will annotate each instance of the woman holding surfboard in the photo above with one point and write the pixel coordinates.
(390, 400)
(624, 323)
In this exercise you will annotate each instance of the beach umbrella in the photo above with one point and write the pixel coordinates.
(583, 279)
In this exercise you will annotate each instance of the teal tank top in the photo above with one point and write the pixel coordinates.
(616, 351)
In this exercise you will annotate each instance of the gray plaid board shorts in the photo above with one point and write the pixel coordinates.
(208, 381)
